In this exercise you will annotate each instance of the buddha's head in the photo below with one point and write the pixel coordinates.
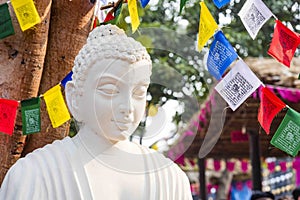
(108, 90)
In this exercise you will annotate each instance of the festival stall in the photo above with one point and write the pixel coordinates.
(222, 134)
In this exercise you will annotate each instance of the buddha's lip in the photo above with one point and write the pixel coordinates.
(123, 125)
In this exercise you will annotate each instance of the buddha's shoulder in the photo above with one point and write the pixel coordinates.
(53, 152)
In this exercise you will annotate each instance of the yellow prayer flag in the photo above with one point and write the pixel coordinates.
(134, 15)
(26, 13)
(56, 107)
(207, 26)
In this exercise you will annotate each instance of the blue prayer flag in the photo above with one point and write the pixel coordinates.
(221, 55)
(66, 79)
(144, 3)
(221, 3)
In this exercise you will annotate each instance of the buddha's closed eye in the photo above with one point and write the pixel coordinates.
(108, 89)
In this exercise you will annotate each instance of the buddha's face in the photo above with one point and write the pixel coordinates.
(114, 97)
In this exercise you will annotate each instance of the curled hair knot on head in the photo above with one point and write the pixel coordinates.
(106, 42)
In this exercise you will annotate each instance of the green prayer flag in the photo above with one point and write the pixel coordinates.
(287, 136)
(6, 27)
(31, 117)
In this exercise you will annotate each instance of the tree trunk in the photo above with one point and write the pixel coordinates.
(70, 24)
(21, 60)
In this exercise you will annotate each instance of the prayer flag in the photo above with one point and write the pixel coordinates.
(270, 105)
(254, 15)
(134, 15)
(6, 27)
(67, 78)
(221, 55)
(109, 17)
(56, 106)
(287, 136)
(207, 26)
(238, 85)
(8, 113)
(221, 3)
(31, 116)
(144, 3)
(96, 22)
(26, 13)
(284, 44)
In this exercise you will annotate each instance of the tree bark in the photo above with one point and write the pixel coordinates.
(21, 59)
(71, 21)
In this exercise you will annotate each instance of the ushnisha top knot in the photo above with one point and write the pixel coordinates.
(106, 42)
(105, 31)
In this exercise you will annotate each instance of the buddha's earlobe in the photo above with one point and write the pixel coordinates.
(72, 100)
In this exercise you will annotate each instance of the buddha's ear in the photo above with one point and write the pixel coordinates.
(72, 100)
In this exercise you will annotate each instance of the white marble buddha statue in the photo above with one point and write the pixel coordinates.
(107, 96)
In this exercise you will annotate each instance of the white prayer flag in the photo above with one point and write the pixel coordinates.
(254, 15)
(238, 85)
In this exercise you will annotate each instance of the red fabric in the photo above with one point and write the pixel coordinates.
(109, 17)
(217, 165)
(283, 166)
(271, 166)
(238, 136)
(284, 44)
(180, 160)
(8, 112)
(230, 166)
(270, 105)
(96, 22)
(244, 166)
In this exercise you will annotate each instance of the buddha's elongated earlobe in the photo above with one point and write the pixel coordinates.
(72, 100)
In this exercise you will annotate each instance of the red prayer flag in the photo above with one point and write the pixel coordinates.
(8, 113)
(96, 22)
(109, 17)
(284, 44)
(270, 105)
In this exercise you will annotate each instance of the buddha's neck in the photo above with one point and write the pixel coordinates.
(96, 144)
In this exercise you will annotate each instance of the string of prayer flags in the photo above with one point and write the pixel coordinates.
(134, 16)
(221, 55)
(254, 15)
(8, 113)
(270, 105)
(207, 26)
(31, 115)
(284, 44)
(221, 3)
(26, 13)
(56, 107)
(238, 85)
(67, 78)
(144, 3)
(287, 136)
(6, 27)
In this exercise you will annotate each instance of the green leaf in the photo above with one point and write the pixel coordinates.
(182, 4)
